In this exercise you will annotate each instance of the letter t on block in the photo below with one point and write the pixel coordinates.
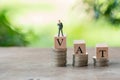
(79, 47)
(101, 51)
(60, 42)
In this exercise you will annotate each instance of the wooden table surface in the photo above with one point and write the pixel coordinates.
(35, 64)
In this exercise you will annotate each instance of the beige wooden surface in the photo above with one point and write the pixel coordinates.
(35, 64)
(60, 42)
(79, 47)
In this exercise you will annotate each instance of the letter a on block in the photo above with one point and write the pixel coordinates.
(79, 47)
(101, 51)
(79, 50)
(60, 42)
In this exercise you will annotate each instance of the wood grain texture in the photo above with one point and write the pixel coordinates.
(79, 47)
(20, 63)
(101, 51)
(59, 42)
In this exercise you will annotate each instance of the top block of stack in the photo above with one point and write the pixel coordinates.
(60, 42)
(79, 47)
(102, 51)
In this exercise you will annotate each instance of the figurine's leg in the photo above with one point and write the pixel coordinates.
(59, 32)
(62, 32)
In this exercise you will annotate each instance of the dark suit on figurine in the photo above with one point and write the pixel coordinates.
(60, 27)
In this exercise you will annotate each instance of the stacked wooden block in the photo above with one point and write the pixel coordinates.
(101, 58)
(60, 51)
(80, 56)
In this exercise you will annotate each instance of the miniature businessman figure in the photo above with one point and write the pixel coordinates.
(60, 27)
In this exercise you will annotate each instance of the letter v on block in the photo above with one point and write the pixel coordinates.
(60, 42)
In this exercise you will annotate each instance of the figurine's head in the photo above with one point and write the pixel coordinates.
(59, 21)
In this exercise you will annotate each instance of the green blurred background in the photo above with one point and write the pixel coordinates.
(33, 23)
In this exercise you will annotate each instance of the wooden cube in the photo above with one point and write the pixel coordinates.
(60, 42)
(101, 51)
(79, 47)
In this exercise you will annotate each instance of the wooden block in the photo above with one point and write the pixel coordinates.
(60, 42)
(79, 47)
(101, 51)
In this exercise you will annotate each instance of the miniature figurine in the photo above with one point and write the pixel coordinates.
(60, 27)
